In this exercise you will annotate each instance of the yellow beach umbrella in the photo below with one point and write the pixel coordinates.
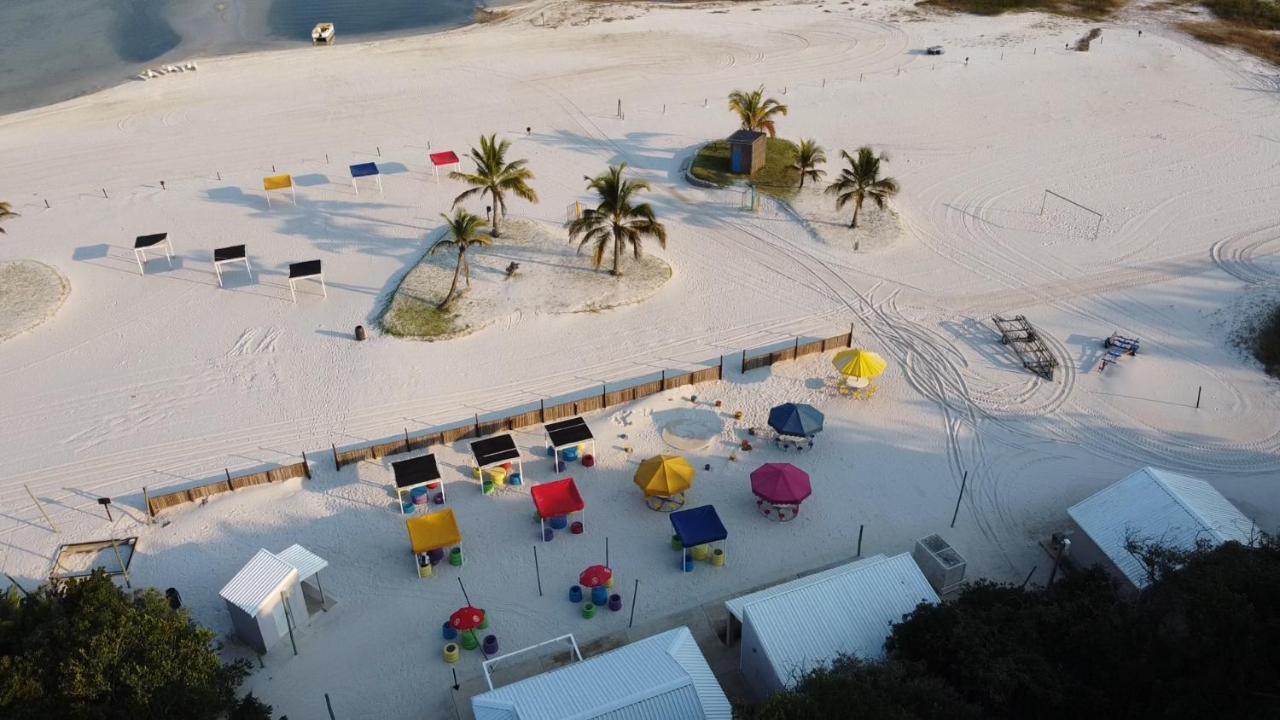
(664, 475)
(859, 363)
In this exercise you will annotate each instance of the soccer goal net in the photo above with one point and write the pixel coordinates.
(1066, 211)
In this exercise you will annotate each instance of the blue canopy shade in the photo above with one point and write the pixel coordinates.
(698, 526)
(795, 419)
(364, 170)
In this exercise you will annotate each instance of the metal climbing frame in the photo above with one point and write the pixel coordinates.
(1018, 333)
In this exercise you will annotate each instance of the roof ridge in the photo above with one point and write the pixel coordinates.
(1158, 475)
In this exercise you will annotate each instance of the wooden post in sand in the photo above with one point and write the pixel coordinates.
(40, 508)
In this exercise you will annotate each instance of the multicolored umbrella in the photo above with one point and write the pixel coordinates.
(467, 618)
(796, 420)
(859, 363)
(781, 484)
(595, 576)
(664, 475)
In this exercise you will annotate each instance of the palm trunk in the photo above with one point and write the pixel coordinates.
(802, 179)
(617, 255)
(857, 207)
(466, 265)
(497, 207)
(453, 288)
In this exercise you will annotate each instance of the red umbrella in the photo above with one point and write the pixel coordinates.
(780, 484)
(467, 618)
(595, 576)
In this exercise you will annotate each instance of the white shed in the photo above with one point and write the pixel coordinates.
(1151, 505)
(265, 598)
(662, 676)
(799, 626)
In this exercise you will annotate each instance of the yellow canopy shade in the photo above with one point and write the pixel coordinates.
(859, 363)
(277, 182)
(433, 531)
(664, 475)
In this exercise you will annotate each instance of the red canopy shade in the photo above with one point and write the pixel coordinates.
(595, 576)
(447, 157)
(780, 484)
(559, 497)
(467, 618)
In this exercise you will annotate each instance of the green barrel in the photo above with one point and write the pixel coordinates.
(588, 611)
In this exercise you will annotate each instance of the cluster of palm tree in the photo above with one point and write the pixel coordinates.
(618, 223)
(857, 182)
(6, 212)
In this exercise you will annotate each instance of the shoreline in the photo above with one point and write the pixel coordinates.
(232, 41)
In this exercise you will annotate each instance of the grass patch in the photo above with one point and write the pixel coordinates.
(412, 317)
(1262, 340)
(776, 177)
(1260, 14)
(1092, 9)
(1259, 43)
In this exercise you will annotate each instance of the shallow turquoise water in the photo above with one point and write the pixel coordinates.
(58, 49)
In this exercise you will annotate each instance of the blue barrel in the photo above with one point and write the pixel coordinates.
(559, 522)
(575, 593)
(569, 454)
(551, 452)
(599, 595)
(688, 563)
(449, 632)
(514, 479)
(559, 466)
(417, 492)
(548, 534)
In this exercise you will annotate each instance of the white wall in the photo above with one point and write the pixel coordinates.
(755, 665)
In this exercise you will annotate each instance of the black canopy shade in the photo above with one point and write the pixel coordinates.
(146, 241)
(231, 252)
(306, 268)
(494, 450)
(417, 471)
(568, 432)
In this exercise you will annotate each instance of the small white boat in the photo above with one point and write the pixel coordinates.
(323, 34)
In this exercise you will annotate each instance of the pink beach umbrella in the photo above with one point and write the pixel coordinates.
(780, 484)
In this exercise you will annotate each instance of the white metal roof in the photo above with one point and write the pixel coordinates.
(307, 562)
(848, 613)
(662, 677)
(1153, 504)
(262, 577)
(735, 605)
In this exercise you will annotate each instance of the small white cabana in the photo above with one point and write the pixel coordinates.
(266, 598)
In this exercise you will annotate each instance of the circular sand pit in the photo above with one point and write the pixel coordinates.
(30, 293)
(691, 430)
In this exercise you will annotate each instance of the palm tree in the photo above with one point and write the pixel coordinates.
(809, 156)
(755, 110)
(616, 221)
(464, 231)
(496, 177)
(861, 180)
(6, 212)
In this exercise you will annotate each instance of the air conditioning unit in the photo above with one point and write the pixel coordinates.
(942, 566)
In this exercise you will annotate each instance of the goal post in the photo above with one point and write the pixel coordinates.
(573, 212)
(1044, 200)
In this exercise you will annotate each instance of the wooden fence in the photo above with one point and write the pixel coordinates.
(799, 349)
(227, 483)
(585, 402)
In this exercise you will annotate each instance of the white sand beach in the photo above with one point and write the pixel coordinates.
(164, 379)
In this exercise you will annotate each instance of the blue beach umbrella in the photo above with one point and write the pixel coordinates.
(795, 419)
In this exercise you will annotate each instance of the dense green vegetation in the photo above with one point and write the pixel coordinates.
(87, 650)
(1093, 9)
(1203, 640)
(777, 177)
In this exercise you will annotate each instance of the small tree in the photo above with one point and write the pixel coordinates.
(87, 649)
(464, 231)
(808, 157)
(861, 180)
(616, 222)
(755, 111)
(6, 212)
(496, 177)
